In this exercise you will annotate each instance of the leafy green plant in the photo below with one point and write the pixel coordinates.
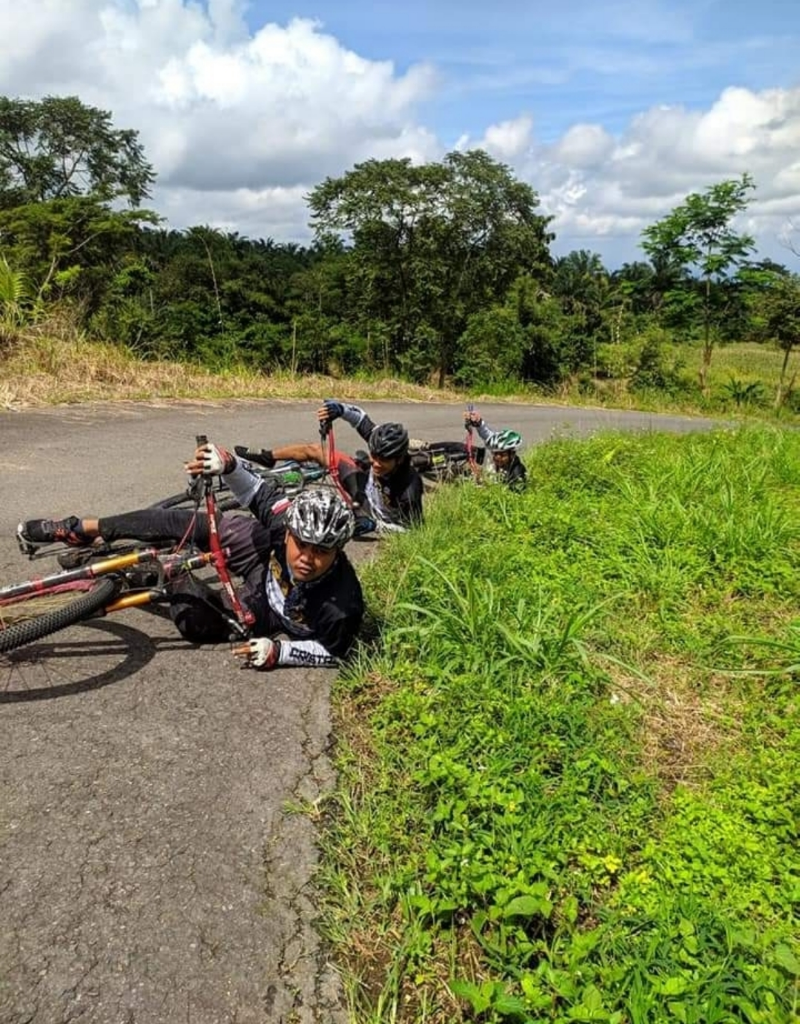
(556, 804)
(17, 305)
(744, 392)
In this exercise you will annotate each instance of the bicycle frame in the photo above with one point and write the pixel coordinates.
(93, 587)
(328, 443)
(245, 617)
(65, 579)
(473, 465)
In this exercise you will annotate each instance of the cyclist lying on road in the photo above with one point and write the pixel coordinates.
(297, 579)
(393, 488)
(352, 471)
(503, 446)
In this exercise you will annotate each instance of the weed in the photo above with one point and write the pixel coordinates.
(568, 772)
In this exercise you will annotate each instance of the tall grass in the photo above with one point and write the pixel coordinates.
(50, 361)
(568, 772)
(53, 363)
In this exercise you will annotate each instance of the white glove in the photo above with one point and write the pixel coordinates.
(217, 460)
(264, 652)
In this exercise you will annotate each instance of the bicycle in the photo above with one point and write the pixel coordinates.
(436, 461)
(100, 580)
(290, 477)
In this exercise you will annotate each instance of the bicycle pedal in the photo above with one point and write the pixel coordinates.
(27, 548)
(142, 578)
(74, 558)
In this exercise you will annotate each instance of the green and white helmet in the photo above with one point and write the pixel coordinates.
(320, 517)
(503, 441)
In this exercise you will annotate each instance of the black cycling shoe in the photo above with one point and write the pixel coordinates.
(261, 456)
(34, 532)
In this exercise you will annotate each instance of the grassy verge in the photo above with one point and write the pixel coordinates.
(53, 364)
(568, 775)
(52, 369)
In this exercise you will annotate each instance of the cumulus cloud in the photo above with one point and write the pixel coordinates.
(509, 139)
(598, 186)
(240, 123)
(234, 122)
(584, 146)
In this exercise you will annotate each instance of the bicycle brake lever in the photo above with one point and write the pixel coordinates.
(197, 484)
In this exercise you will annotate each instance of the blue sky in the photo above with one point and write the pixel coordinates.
(564, 62)
(612, 110)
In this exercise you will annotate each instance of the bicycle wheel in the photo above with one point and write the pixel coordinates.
(225, 501)
(29, 619)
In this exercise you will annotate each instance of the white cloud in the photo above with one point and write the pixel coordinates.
(509, 139)
(232, 121)
(597, 186)
(241, 124)
(584, 146)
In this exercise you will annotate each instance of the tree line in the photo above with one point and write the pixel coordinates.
(441, 271)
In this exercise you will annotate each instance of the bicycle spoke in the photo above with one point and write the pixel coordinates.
(76, 659)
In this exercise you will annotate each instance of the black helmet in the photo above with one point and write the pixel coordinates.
(388, 441)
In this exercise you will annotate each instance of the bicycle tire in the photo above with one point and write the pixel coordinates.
(74, 610)
(225, 503)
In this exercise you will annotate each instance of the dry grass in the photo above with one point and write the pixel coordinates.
(681, 724)
(55, 366)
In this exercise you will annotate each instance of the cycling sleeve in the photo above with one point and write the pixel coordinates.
(254, 492)
(243, 483)
(305, 654)
(484, 430)
(356, 417)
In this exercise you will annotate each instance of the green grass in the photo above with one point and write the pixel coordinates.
(748, 361)
(53, 363)
(568, 773)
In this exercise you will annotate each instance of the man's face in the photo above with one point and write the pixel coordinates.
(501, 460)
(382, 467)
(307, 561)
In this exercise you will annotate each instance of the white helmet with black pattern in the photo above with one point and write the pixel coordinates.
(503, 441)
(321, 517)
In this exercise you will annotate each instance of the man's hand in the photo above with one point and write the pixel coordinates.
(472, 419)
(263, 652)
(331, 410)
(213, 460)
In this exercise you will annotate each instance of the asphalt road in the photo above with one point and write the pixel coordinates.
(151, 871)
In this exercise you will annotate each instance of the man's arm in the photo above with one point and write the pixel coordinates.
(305, 654)
(215, 460)
(410, 505)
(517, 476)
(332, 410)
(265, 653)
(336, 634)
(484, 430)
(406, 509)
(311, 452)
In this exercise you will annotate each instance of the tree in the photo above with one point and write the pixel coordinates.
(783, 323)
(69, 247)
(581, 282)
(491, 349)
(698, 235)
(432, 244)
(58, 148)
